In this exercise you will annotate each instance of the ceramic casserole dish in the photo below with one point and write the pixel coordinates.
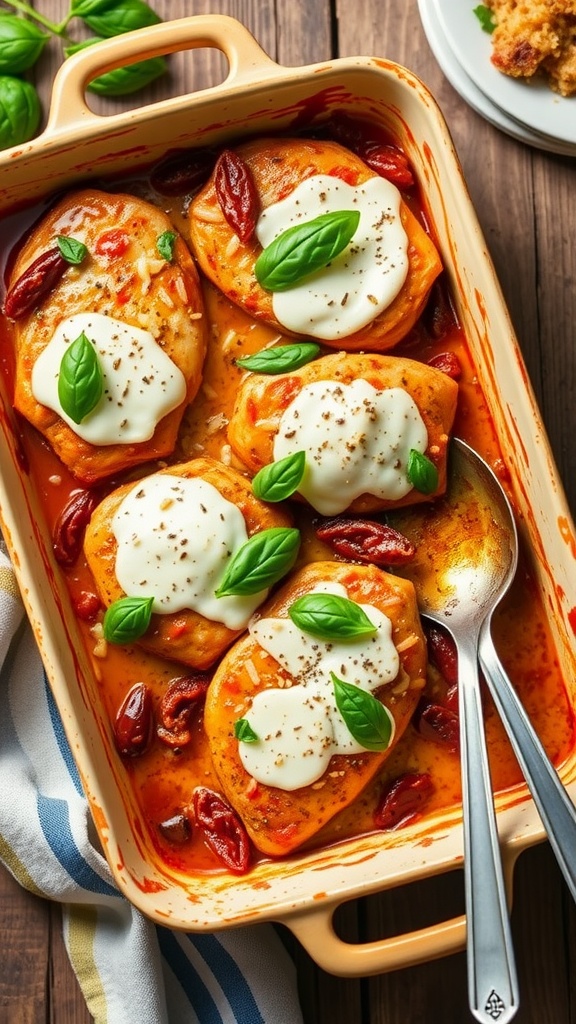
(258, 96)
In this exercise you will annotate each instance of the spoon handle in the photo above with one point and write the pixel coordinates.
(492, 981)
(554, 805)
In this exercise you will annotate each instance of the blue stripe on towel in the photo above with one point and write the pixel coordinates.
(55, 823)
(61, 739)
(230, 978)
(200, 998)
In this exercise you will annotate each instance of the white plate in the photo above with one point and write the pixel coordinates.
(474, 96)
(532, 103)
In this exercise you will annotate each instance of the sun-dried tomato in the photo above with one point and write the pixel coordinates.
(237, 194)
(438, 723)
(133, 722)
(403, 800)
(442, 653)
(448, 363)
(177, 829)
(179, 702)
(222, 829)
(36, 281)
(69, 528)
(182, 173)
(365, 540)
(389, 162)
(113, 243)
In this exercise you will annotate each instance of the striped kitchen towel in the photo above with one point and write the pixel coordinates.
(129, 969)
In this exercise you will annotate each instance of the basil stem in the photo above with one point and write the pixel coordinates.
(331, 617)
(305, 248)
(421, 472)
(280, 359)
(21, 43)
(280, 479)
(368, 721)
(80, 380)
(71, 249)
(244, 732)
(165, 245)
(20, 111)
(260, 562)
(127, 619)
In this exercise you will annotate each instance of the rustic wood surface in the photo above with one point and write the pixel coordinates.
(525, 202)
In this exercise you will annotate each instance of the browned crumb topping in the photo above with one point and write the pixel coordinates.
(536, 36)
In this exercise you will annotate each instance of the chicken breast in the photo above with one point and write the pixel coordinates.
(171, 536)
(357, 418)
(282, 752)
(381, 309)
(136, 306)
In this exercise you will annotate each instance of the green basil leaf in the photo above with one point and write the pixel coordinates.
(165, 245)
(21, 43)
(71, 249)
(20, 111)
(82, 45)
(113, 19)
(80, 380)
(244, 732)
(421, 472)
(280, 359)
(127, 619)
(485, 17)
(260, 562)
(331, 617)
(280, 479)
(127, 80)
(367, 720)
(305, 248)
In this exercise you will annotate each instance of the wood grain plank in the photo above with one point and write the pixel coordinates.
(24, 963)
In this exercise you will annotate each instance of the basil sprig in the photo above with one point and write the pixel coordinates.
(421, 472)
(260, 562)
(80, 379)
(367, 720)
(127, 619)
(21, 43)
(109, 18)
(121, 81)
(20, 111)
(280, 359)
(485, 17)
(301, 250)
(280, 479)
(331, 617)
(71, 249)
(165, 245)
(244, 732)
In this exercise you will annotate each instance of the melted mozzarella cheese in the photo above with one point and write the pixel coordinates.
(362, 281)
(175, 539)
(357, 441)
(141, 383)
(299, 728)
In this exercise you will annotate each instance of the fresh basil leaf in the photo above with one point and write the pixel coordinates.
(421, 472)
(80, 380)
(367, 720)
(82, 45)
(244, 732)
(71, 249)
(280, 479)
(20, 111)
(301, 250)
(485, 17)
(260, 562)
(165, 245)
(127, 619)
(331, 617)
(127, 80)
(21, 43)
(280, 359)
(108, 18)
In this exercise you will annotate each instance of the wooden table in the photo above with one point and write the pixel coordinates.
(525, 202)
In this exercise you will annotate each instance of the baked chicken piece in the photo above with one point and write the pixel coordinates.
(374, 429)
(298, 723)
(111, 336)
(171, 536)
(368, 295)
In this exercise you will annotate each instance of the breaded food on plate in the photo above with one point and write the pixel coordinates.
(283, 735)
(359, 419)
(536, 36)
(111, 336)
(368, 295)
(171, 536)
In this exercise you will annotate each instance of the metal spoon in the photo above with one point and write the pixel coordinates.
(465, 556)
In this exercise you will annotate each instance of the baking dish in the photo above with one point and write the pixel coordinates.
(258, 95)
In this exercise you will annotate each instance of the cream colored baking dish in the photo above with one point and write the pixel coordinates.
(259, 95)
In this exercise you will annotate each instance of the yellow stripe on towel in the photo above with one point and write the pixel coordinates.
(81, 933)
(16, 867)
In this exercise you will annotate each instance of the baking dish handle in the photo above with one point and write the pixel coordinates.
(315, 931)
(244, 55)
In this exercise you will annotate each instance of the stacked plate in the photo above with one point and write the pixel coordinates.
(527, 110)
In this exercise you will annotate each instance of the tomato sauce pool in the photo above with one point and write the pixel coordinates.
(164, 774)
